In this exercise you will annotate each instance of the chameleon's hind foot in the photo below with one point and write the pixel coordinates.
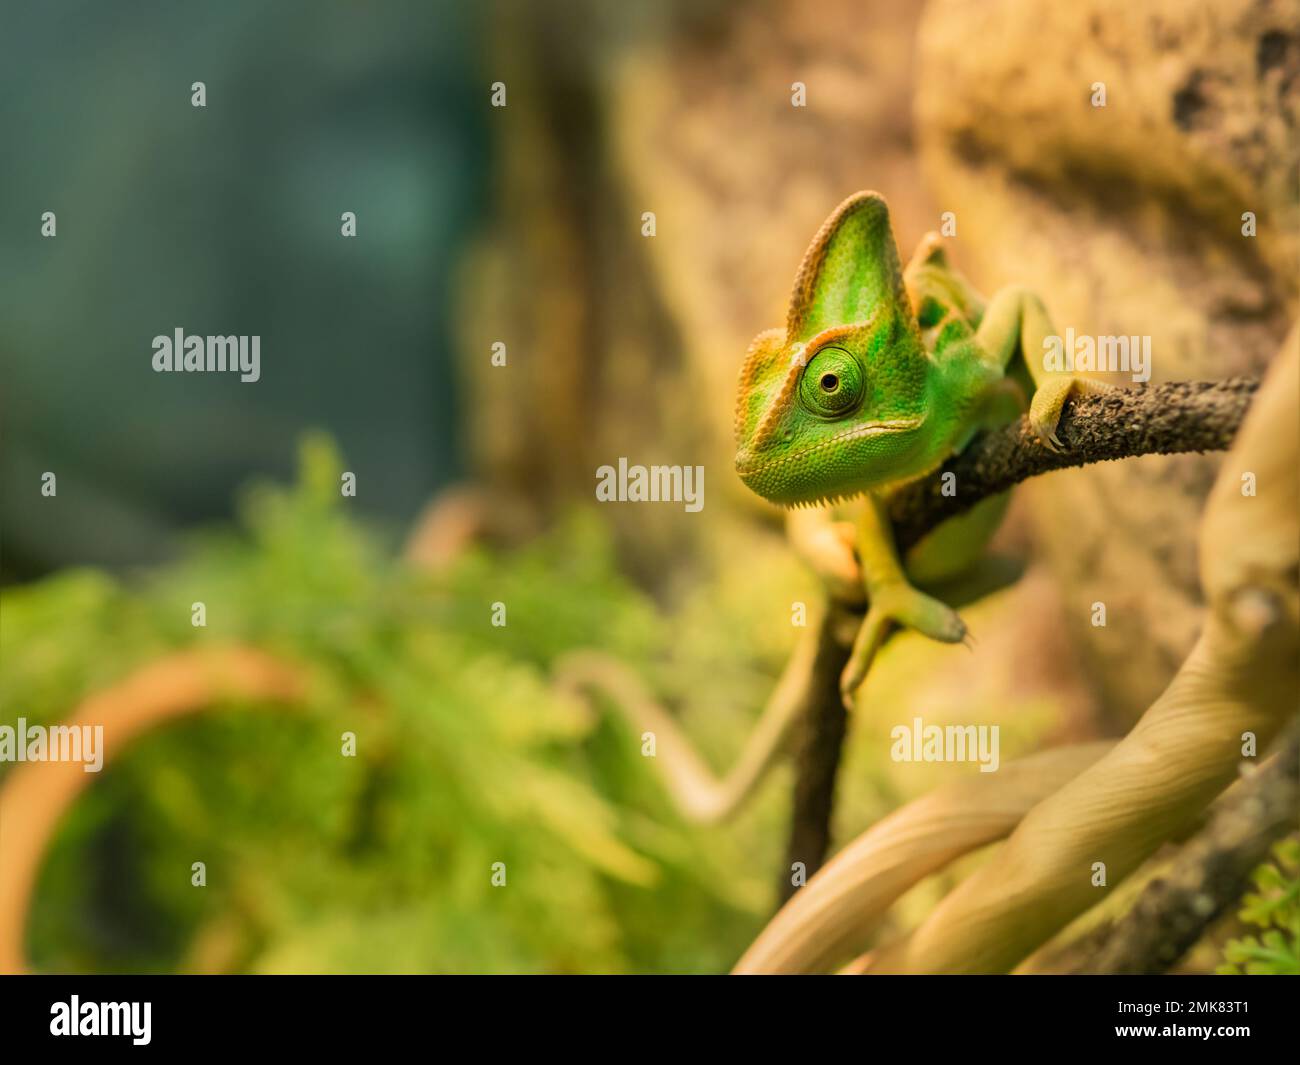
(897, 605)
(826, 546)
(1049, 399)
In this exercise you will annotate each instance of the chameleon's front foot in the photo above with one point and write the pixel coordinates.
(1049, 400)
(897, 604)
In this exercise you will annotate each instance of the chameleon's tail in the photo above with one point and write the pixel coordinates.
(695, 790)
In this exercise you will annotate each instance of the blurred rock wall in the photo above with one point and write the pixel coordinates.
(1127, 218)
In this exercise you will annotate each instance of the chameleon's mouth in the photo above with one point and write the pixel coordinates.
(750, 465)
(840, 466)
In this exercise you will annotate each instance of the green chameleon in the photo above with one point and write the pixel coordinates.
(879, 375)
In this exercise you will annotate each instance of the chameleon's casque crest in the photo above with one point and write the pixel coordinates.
(850, 269)
(841, 389)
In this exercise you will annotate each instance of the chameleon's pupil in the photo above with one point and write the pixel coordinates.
(833, 384)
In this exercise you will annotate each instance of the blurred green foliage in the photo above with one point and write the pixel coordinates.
(465, 757)
(1274, 908)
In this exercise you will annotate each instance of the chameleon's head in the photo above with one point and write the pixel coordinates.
(835, 404)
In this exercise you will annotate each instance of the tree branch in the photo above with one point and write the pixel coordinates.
(1168, 419)
(820, 740)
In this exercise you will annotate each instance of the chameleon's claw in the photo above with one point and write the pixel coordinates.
(1046, 433)
(1049, 400)
(905, 606)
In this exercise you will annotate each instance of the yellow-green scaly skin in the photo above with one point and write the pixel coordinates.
(879, 375)
(918, 392)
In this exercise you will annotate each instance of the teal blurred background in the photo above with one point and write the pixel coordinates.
(226, 220)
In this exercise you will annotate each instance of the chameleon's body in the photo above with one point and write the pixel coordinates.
(879, 376)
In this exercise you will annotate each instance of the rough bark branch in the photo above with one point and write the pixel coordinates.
(817, 759)
(1181, 416)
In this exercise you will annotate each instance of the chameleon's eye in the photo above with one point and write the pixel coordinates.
(832, 383)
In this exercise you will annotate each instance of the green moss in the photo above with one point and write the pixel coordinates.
(465, 757)
(1274, 908)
